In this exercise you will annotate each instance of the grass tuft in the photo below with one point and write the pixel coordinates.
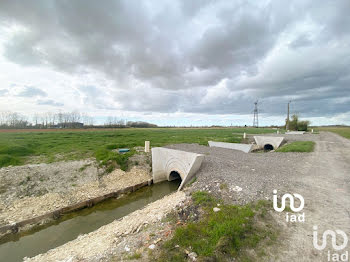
(135, 256)
(298, 146)
(203, 198)
(7, 160)
(111, 159)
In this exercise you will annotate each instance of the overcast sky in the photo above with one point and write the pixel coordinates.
(177, 62)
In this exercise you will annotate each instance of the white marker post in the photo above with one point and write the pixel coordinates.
(147, 147)
(244, 135)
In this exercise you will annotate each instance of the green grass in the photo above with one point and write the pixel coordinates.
(220, 236)
(6, 160)
(111, 159)
(135, 256)
(203, 198)
(35, 147)
(298, 146)
(343, 131)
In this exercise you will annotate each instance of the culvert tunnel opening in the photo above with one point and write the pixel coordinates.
(268, 147)
(174, 176)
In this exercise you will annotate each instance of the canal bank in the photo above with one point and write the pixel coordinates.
(19, 212)
(120, 238)
(17, 246)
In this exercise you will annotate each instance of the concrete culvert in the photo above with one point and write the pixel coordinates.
(268, 147)
(174, 175)
(170, 163)
(263, 141)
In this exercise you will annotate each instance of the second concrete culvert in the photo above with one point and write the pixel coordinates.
(268, 142)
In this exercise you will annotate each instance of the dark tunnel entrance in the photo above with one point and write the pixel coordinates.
(174, 175)
(268, 147)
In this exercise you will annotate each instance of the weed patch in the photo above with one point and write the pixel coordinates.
(135, 256)
(111, 159)
(203, 198)
(232, 232)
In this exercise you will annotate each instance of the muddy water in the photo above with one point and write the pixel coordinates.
(68, 227)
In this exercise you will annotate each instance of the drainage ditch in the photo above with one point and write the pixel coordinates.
(68, 227)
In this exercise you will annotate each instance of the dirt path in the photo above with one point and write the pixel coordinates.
(325, 186)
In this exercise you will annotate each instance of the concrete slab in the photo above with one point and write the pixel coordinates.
(235, 146)
(165, 161)
(295, 133)
(274, 141)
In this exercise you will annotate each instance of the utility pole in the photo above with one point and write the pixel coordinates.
(256, 115)
(287, 121)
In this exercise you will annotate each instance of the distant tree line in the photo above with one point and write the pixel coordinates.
(114, 122)
(74, 119)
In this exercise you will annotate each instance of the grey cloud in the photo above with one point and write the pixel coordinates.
(49, 102)
(170, 56)
(301, 41)
(94, 96)
(30, 91)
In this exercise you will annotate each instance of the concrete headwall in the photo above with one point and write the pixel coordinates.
(261, 141)
(295, 133)
(165, 161)
(242, 147)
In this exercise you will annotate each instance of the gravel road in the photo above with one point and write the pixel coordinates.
(325, 186)
(240, 178)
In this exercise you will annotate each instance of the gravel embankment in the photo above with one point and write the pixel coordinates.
(33, 190)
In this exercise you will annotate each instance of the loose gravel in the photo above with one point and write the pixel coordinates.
(240, 178)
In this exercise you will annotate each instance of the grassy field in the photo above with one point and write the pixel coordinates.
(298, 146)
(343, 131)
(17, 148)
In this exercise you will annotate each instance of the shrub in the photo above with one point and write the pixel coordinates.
(303, 125)
(296, 125)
